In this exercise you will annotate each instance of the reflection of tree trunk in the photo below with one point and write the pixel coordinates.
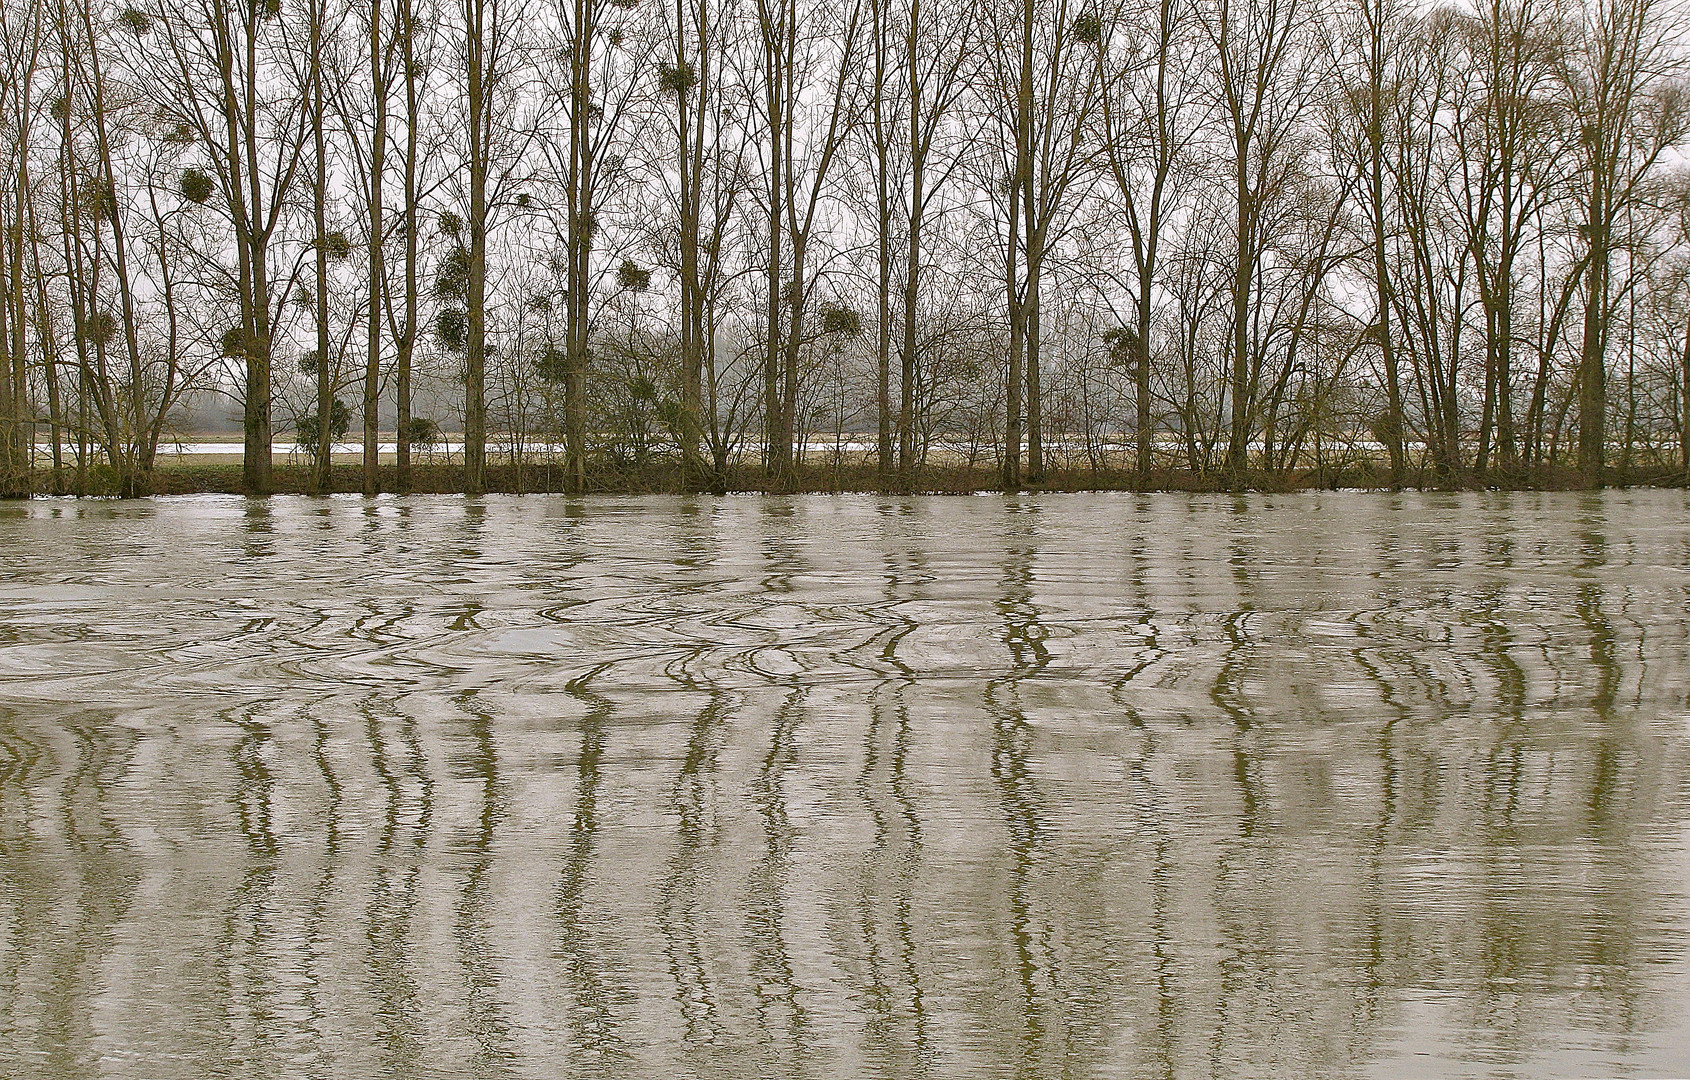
(1605, 783)
(1019, 802)
(471, 923)
(70, 873)
(250, 928)
(909, 879)
(592, 1016)
(678, 895)
(392, 905)
(767, 915)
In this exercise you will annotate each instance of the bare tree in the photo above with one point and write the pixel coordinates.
(381, 58)
(403, 315)
(1268, 81)
(317, 64)
(1507, 134)
(803, 131)
(1045, 87)
(707, 186)
(596, 94)
(494, 66)
(1148, 119)
(218, 73)
(691, 78)
(1630, 109)
(22, 34)
(1381, 32)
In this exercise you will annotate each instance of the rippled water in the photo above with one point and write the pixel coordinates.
(1092, 786)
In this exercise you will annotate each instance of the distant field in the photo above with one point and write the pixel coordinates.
(212, 463)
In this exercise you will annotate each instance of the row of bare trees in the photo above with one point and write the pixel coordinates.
(1230, 237)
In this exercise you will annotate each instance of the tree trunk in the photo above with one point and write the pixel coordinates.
(1592, 370)
(323, 452)
(1238, 384)
(377, 257)
(408, 327)
(475, 360)
(690, 106)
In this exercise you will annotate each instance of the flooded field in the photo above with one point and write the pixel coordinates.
(1337, 784)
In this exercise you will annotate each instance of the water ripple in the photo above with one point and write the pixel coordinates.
(1333, 784)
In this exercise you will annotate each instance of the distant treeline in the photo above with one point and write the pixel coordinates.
(1234, 238)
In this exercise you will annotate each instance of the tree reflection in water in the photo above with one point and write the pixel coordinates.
(1338, 784)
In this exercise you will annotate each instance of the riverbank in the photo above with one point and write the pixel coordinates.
(186, 476)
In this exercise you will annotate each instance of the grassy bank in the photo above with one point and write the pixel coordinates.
(183, 476)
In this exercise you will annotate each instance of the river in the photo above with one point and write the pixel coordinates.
(1106, 785)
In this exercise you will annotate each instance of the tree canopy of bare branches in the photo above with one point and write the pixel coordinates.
(1229, 239)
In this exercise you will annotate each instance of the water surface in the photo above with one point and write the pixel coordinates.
(1339, 784)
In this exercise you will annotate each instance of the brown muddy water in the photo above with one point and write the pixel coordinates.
(1338, 784)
